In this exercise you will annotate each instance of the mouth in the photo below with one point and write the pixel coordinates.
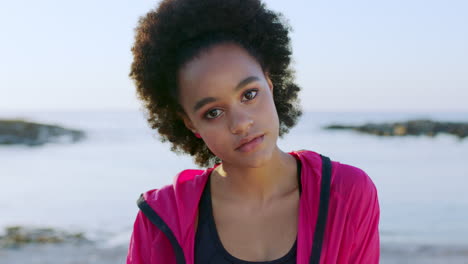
(251, 144)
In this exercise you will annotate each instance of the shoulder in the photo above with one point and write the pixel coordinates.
(176, 204)
(184, 179)
(345, 178)
(185, 185)
(359, 192)
(352, 182)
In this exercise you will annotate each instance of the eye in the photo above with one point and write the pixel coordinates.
(250, 94)
(211, 114)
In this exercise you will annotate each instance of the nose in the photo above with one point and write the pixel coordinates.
(241, 121)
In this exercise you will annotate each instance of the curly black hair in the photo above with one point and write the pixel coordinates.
(177, 31)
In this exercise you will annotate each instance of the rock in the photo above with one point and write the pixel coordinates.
(16, 236)
(412, 127)
(399, 130)
(35, 134)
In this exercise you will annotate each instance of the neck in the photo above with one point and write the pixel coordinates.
(274, 179)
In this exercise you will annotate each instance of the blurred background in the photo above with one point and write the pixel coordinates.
(67, 64)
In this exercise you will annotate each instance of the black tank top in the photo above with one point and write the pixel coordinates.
(208, 246)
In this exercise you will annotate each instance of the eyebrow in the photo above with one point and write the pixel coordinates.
(208, 100)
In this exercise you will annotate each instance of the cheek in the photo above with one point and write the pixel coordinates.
(268, 108)
(217, 143)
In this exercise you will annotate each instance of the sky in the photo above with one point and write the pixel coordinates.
(360, 55)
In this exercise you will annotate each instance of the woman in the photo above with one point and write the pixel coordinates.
(215, 79)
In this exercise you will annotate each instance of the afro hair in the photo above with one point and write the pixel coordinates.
(177, 31)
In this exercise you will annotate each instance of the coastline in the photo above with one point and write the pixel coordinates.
(399, 253)
(87, 253)
(119, 145)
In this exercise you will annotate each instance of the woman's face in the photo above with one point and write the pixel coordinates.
(227, 98)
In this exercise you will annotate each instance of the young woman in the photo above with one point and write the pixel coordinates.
(216, 81)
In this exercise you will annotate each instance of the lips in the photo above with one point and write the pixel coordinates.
(249, 143)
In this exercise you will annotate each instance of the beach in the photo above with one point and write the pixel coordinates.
(90, 187)
(91, 254)
(423, 254)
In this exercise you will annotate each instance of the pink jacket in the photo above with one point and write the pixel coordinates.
(352, 225)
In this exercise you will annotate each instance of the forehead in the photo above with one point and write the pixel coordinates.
(216, 70)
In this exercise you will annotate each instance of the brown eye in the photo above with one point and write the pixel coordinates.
(211, 114)
(250, 94)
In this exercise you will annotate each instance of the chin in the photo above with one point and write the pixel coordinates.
(257, 158)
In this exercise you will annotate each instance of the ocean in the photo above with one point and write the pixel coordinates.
(92, 186)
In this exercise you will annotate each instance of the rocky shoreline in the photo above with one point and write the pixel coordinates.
(22, 132)
(411, 127)
(51, 246)
(94, 254)
(19, 236)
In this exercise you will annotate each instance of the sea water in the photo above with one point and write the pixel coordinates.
(92, 186)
